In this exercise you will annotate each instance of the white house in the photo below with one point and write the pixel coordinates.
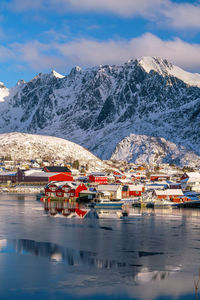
(191, 181)
(112, 191)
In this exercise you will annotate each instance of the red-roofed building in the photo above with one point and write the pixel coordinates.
(64, 189)
(98, 178)
(61, 177)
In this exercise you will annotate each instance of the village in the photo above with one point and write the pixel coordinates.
(63, 186)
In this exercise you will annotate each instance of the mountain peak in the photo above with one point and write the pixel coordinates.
(2, 85)
(56, 74)
(155, 63)
(75, 70)
(163, 67)
(20, 82)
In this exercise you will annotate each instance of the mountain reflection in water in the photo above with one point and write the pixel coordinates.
(57, 253)
(72, 257)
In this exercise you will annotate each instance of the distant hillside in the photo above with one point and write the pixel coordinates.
(22, 146)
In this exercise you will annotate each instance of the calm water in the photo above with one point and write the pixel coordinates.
(150, 256)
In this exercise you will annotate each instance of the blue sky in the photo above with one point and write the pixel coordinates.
(42, 35)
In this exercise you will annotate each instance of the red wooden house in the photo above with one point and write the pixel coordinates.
(64, 189)
(98, 178)
(132, 191)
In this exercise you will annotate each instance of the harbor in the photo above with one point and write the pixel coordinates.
(148, 251)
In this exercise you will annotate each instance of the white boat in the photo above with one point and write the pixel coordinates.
(105, 203)
(163, 203)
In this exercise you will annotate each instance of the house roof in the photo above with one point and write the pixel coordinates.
(4, 173)
(57, 169)
(108, 187)
(169, 192)
(192, 176)
(40, 174)
(160, 175)
(133, 187)
(60, 184)
(97, 174)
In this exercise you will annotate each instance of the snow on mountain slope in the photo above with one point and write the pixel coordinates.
(100, 106)
(153, 150)
(22, 146)
(4, 92)
(163, 67)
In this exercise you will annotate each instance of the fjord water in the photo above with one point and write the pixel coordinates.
(149, 256)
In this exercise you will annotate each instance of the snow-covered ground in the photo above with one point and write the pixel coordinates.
(23, 146)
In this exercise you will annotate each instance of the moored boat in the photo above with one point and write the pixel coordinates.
(108, 204)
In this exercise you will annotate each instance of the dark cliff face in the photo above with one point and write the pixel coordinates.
(101, 105)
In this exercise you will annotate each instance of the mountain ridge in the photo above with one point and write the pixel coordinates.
(100, 106)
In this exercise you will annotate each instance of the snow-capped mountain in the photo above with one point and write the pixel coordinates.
(153, 150)
(22, 146)
(98, 107)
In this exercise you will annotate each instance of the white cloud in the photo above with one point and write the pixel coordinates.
(25, 5)
(125, 8)
(181, 16)
(6, 54)
(37, 55)
(83, 52)
(88, 52)
(177, 15)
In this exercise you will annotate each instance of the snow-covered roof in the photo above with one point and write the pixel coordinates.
(157, 184)
(97, 174)
(8, 173)
(40, 174)
(71, 184)
(193, 175)
(169, 192)
(161, 175)
(108, 187)
(135, 187)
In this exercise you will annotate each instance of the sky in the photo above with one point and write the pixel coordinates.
(44, 35)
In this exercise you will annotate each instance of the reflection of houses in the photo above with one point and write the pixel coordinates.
(57, 253)
(64, 189)
(109, 191)
(191, 181)
(132, 190)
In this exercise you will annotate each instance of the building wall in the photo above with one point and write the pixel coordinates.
(135, 193)
(98, 179)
